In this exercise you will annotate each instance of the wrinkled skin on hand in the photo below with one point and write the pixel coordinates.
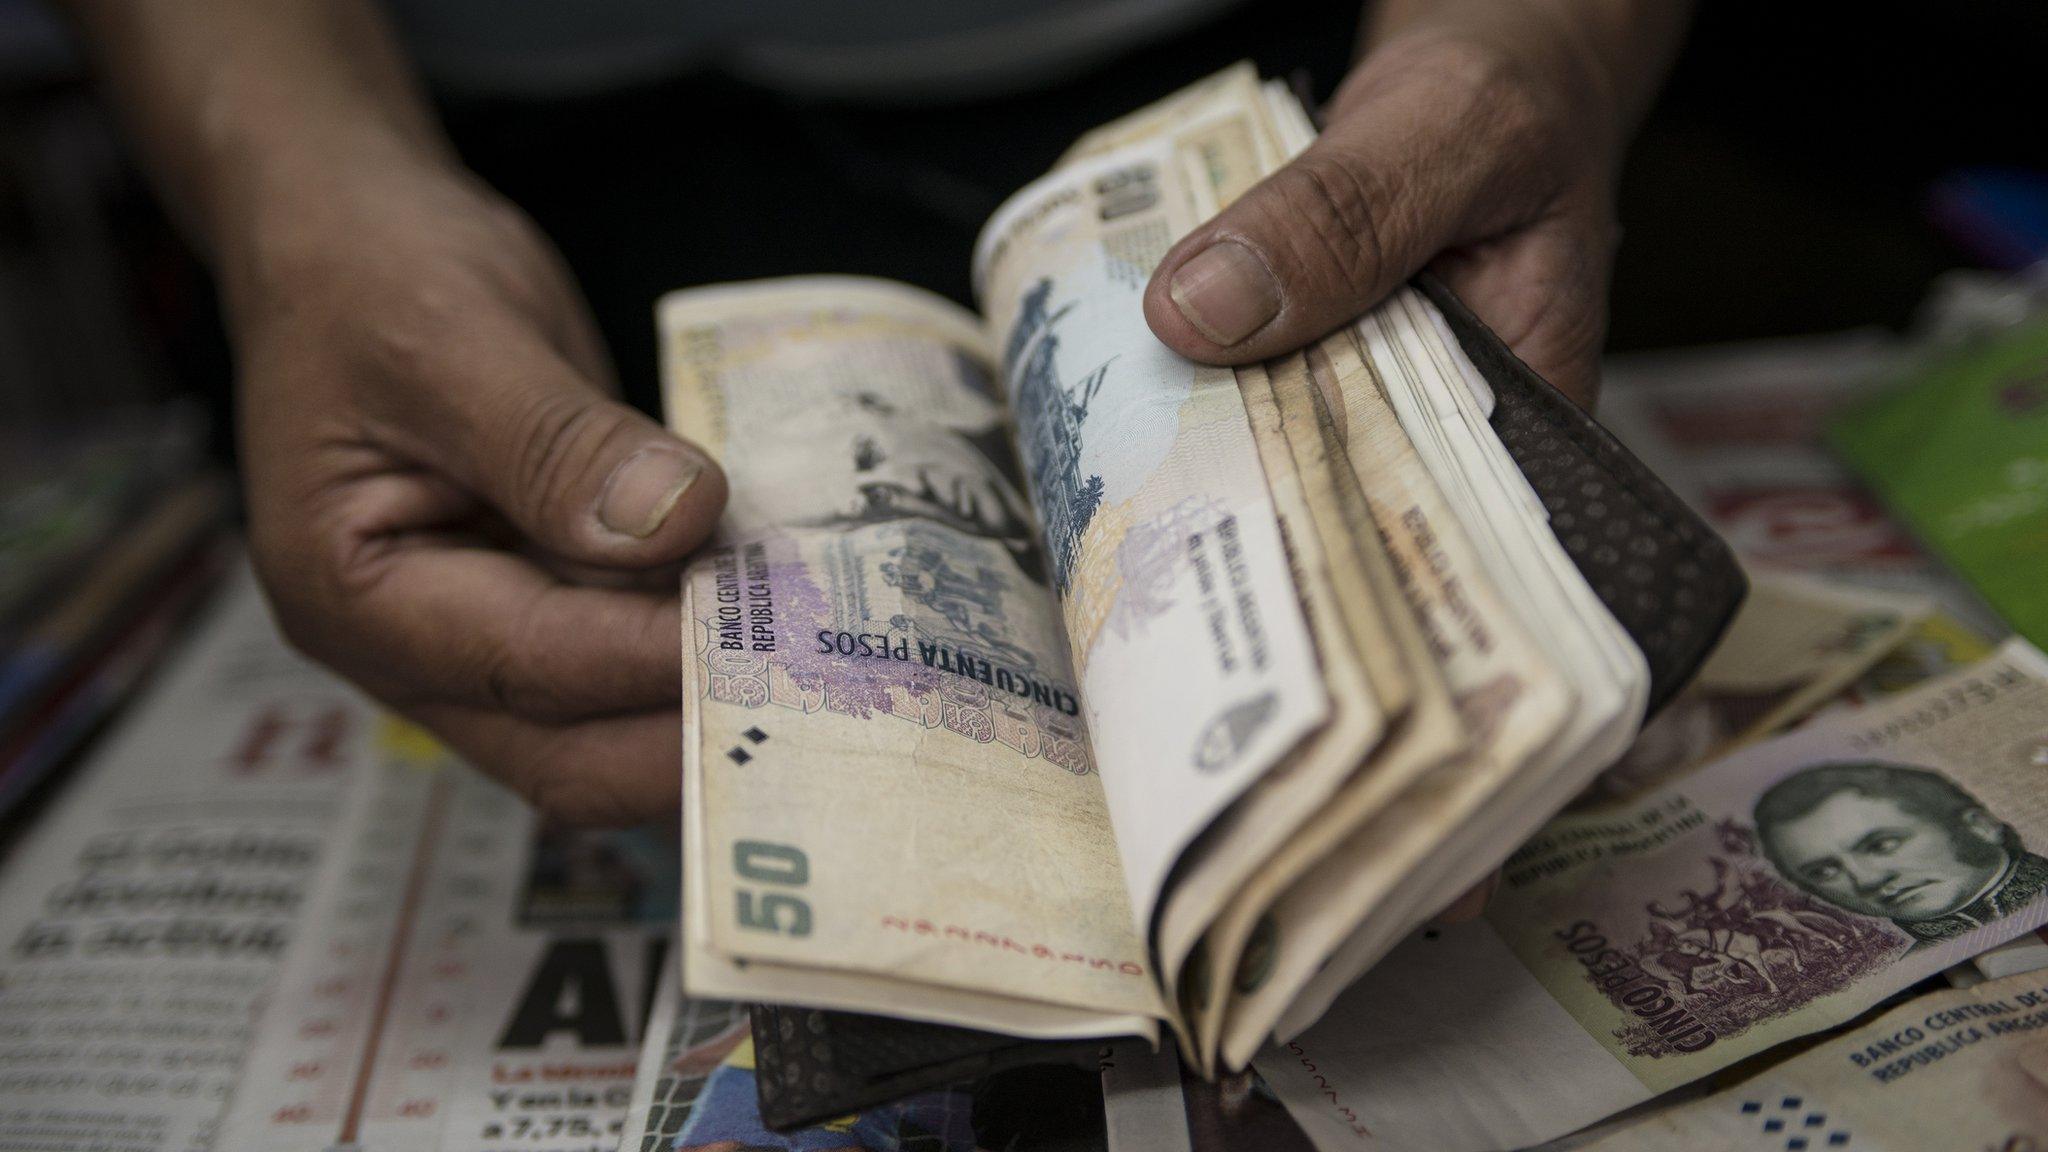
(1491, 164)
(445, 501)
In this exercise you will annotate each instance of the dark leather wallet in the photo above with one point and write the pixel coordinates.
(1668, 579)
(1671, 583)
(812, 1065)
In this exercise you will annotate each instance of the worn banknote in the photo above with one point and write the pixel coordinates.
(1779, 891)
(1439, 415)
(1369, 653)
(1963, 1069)
(1189, 643)
(1363, 857)
(1233, 859)
(888, 778)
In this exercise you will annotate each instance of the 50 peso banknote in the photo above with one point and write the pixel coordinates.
(891, 801)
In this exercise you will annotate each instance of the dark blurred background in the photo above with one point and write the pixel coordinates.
(1801, 173)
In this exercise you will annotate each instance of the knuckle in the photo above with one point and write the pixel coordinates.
(321, 578)
(1573, 321)
(1564, 339)
(513, 233)
(505, 688)
(1581, 330)
(560, 434)
(512, 688)
(1567, 328)
(1475, 68)
(1514, 116)
(1510, 105)
(1472, 76)
(312, 605)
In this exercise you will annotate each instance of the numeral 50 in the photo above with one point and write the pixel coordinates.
(782, 866)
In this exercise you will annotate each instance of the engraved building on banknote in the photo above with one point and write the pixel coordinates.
(1049, 419)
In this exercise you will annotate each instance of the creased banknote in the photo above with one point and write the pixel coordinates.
(1779, 891)
(1509, 706)
(1441, 405)
(888, 773)
(1965, 1069)
(1008, 616)
(1223, 146)
(1188, 638)
(1234, 861)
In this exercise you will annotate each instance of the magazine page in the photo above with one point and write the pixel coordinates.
(875, 644)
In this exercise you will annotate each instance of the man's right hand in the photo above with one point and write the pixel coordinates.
(446, 503)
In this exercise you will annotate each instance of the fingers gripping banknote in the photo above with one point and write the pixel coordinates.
(1042, 681)
(888, 768)
(1158, 521)
(888, 559)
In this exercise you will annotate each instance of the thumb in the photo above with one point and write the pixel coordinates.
(1397, 177)
(590, 479)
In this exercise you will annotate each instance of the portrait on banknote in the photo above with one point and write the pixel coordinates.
(1796, 881)
(1904, 843)
(1710, 961)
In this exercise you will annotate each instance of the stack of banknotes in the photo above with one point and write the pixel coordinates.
(1043, 682)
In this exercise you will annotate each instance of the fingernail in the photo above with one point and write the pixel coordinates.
(1226, 292)
(644, 489)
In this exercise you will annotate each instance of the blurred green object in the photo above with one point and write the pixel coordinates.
(66, 491)
(1960, 452)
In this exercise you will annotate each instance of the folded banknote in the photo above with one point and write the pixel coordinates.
(1044, 683)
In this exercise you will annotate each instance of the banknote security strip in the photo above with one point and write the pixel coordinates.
(1045, 684)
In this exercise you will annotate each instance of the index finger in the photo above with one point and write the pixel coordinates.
(456, 623)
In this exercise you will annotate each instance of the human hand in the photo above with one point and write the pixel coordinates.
(445, 502)
(1480, 139)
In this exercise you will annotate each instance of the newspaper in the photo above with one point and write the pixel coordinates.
(466, 980)
(144, 914)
